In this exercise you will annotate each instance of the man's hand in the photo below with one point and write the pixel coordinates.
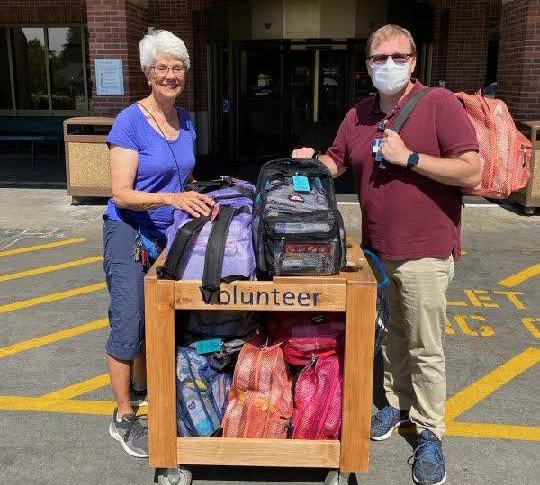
(302, 153)
(393, 149)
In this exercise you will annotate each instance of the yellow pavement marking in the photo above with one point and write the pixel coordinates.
(497, 378)
(56, 244)
(492, 430)
(53, 337)
(19, 305)
(531, 326)
(78, 388)
(518, 278)
(19, 403)
(105, 408)
(49, 269)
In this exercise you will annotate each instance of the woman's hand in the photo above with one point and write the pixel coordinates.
(192, 202)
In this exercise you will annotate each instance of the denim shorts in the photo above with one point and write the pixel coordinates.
(125, 281)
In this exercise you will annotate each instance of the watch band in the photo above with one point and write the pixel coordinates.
(412, 161)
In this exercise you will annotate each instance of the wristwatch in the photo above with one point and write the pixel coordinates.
(412, 161)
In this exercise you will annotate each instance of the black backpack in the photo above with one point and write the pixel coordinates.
(297, 228)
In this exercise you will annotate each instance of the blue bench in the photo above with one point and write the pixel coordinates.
(33, 129)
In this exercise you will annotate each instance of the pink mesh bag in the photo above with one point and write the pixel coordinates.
(318, 400)
(260, 400)
(505, 153)
(306, 336)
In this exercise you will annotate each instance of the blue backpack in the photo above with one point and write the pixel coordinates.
(201, 394)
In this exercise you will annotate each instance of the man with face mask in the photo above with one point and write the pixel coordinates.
(408, 186)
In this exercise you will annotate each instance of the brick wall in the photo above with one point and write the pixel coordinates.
(466, 51)
(187, 19)
(519, 58)
(47, 11)
(440, 43)
(115, 28)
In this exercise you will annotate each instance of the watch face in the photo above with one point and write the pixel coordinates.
(413, 160)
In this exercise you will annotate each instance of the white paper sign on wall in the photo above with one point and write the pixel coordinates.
(109, 77)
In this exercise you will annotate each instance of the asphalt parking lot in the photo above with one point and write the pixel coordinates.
(55, 402)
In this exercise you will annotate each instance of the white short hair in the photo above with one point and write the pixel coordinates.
(161, 42)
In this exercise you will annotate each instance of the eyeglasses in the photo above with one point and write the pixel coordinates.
(162, 71)
(397, 57)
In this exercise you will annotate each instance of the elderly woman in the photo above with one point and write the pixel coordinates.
(151, 151)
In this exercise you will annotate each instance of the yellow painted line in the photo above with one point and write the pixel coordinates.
(53, 337)
(520, 277)
(531, 326)
(49, 269)
(79, 388)
(69, 406)
(491, 430)
(483, 387)
(483, 430)
(56, 244)
(19, 403)
(456, 303)
(19, 305)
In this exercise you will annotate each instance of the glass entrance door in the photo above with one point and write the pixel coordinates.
(317, 94)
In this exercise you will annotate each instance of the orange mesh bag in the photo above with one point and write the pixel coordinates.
(505, 153)
(260, 401)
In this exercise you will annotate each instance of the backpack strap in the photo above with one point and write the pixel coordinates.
(183, 239)
(406, 110)
(215, 251)
(204, 187)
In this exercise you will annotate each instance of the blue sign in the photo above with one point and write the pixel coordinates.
(109, 77)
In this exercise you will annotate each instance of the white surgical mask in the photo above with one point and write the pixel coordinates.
(390, 78)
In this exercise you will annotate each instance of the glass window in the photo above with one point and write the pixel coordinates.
(260, 71)
(66, 68)
(6, 101)
(30, 71)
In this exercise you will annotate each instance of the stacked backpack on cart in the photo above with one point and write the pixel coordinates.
(297, 228)
(314, 342)
(204, 364)
(263, 403)
(260, 401)
(214, 248)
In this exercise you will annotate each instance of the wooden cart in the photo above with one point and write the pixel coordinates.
(353, 291)
(529, 197)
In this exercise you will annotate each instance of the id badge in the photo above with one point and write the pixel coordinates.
(377, 152)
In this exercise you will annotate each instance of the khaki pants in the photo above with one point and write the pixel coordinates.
(413, 356)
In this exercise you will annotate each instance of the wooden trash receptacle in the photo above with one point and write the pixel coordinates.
(353, 291)
(529, 197)
(87, 156)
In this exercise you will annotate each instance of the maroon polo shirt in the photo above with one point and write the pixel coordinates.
(406, 215)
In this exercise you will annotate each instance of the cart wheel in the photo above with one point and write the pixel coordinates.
(173, 476)
(336, 477)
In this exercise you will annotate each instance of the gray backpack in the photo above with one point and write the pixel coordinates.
(297, 228)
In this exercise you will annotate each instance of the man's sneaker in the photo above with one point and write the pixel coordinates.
(385, 421)
(428, 466)
(131, 434)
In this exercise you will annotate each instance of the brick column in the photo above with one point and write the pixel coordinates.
(115, 28)
(519, 58)
(187, 20)
(467, 44)
(176, 16)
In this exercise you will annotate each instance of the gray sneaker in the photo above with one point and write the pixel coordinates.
(131, 434)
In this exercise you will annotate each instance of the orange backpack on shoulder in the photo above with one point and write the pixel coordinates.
(505, 153)
(260, 400)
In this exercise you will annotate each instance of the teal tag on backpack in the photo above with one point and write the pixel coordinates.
(301, 183)
(208, 346)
